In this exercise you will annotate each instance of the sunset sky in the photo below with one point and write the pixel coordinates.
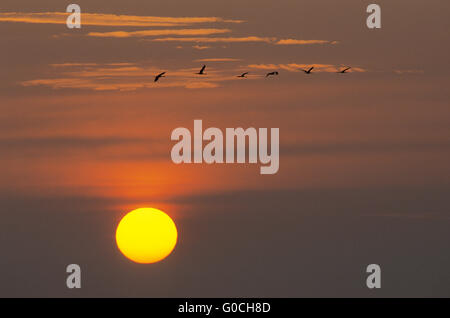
(364, 156)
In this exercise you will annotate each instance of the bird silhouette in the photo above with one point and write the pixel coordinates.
(271, 73)
(202, 71)
(243, 74)
(344, 70)
(308, 71)
(157, 77)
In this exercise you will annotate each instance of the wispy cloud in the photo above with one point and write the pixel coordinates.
(296, 67)
(145, 33)
(270, 40)
(223, 59)
(99, 85)
(303, 42)
(123, 77)
(183, 34)
(201, 47)
(109, 19)
(201, 85)
(216, 39)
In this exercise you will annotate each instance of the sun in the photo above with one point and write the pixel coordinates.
(146, 235)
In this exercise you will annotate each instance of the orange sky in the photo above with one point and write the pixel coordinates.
(84, 128)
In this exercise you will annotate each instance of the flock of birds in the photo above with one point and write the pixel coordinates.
(244, 75)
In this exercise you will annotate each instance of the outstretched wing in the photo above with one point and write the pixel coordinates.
(157, 77)
(310, 69)
(203, 69)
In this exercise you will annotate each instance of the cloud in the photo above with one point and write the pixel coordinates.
(216, 40)
(123, 86)
(109, 19)
(201, 47)
(218, 60)
(115, 77)
(303, 42)
(270, 40)
(83, 83)
(144, 33)
(185, 35)
(201, 85)
(295, 67)
(125, 76)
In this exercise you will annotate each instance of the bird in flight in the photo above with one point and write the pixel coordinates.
(344, 70)
(202, 71)
(157, 77)
(271, 73)
(308, 71)
(243, 74)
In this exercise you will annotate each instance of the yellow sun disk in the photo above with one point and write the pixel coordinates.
(146, 235)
